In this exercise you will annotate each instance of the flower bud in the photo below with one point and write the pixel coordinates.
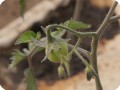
(61, 71)
(90, 73)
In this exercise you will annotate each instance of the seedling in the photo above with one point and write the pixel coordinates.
(58, 50)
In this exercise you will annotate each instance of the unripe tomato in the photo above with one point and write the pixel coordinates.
(56, 55)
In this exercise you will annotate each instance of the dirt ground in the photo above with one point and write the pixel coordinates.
(9, 10)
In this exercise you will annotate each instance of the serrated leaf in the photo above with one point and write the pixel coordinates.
(16, 58)
(76, 25)
(22, 7)
(30, 80)
(26, 37)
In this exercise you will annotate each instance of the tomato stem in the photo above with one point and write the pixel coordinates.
(79, 34)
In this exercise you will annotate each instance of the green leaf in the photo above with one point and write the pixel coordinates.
(76, 25)
(16, 58)
(30, 80)
(22, 7)
(26, 37)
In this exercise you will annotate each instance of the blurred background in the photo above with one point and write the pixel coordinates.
(44, 12)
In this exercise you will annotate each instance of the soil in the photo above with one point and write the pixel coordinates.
(9, 10)
(47, 71)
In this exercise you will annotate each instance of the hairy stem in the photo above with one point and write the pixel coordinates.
(75, 46)
(93, 61)
(82, 51)
(106, 20)
(79, 34)
(30, 64)
(94, 45)
(76, 16)
(114, 18)
(78, 8)
(80, 56)
(48, 34)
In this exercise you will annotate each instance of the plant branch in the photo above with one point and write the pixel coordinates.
(48, 34)
(106, 20)
(30, 56)
(80, 56)
(32, 52)
(76, 16)
(75, 46)
(114, 18)
(78, 8)
(93, 61)
(79, 34)
(94, 45)
(82, 51)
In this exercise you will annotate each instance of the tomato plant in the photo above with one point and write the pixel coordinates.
(59, 50)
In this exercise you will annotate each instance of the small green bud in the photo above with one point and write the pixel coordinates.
(90, 73)
(61, 71)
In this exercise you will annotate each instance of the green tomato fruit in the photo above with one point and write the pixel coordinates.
(55, 55)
